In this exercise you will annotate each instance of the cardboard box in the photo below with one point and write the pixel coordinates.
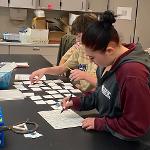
(39, 23)
(55, 36)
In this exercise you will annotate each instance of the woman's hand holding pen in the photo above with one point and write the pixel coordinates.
(66, 103)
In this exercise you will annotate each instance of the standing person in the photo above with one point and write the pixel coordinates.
(74, 57)
(122, 96)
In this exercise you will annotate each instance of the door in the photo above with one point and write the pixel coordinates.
(97, 5)
(143, 23)
(4, 3)
(50, 4)
(125, 27)
(73, 5)
(22, 3)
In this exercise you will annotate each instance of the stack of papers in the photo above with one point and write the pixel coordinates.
(13, 94)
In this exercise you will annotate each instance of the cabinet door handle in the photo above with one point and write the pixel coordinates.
(82, 6)
(88, 5)
(60, 4)
(32, 2)
(39, 2)
(36, 49)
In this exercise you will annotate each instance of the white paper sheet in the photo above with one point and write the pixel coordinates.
(26, 77)
(13, 94)
(58, 120)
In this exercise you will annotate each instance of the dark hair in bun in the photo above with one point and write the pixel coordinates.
(107, 18)
(99, 34)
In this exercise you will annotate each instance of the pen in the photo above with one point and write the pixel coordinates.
(66, 102)
(69, 68)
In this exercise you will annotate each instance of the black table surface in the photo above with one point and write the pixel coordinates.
(63, 139)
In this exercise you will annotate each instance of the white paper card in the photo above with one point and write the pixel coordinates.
(20, 87)
(40, 102)
(45, 88)
(51, 102)
(18, 83)
(75, 91)
(67, 84)
(58, 120)
(51, 92)
(26, 82)
(63, 91)
(52, 84)
(36, 89)
(56, 87)
(58, 96)
(68, 87)
(36, 97)
(56, 107)
(68, 95)
(33, 135)
(47, 96)
(13, 94)
(28, 94)
(57, 81)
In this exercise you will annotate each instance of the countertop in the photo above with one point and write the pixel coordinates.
(27, 44)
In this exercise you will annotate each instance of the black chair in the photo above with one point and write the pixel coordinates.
(67, 41)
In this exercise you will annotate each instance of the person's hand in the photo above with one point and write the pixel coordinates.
(88, 123)
(66, 103)
(77, 75)
(37, 75)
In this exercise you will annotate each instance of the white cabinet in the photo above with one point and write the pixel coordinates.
(4, 3)
(84, 5)
(96, 5)
(125, 27)
(73, 5)
(143, 24)
(44, 4)
(50, 52)
(23, 3)
(4, 49)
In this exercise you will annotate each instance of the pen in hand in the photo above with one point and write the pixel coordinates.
(66, 102)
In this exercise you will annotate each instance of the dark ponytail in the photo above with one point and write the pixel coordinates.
(99, 34)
